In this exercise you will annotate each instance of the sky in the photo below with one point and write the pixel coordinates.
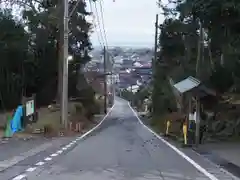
(127, 22)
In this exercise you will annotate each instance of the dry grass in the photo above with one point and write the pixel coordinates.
(46, 118)
(159, 123)
(50, 118)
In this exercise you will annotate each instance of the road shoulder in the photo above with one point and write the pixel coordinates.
(208, 168)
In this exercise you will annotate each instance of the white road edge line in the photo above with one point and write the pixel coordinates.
(183, 155)
(20, 177)
(99, 124)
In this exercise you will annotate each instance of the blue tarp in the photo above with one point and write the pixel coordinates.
(16, 124)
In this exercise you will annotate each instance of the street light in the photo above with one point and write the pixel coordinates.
(70, 58)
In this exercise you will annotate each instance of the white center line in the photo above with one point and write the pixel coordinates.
(31, 169)
(54, 155)
(59, 152)
(20, 177)
(68, 146)
(40, 163)
(48, 159)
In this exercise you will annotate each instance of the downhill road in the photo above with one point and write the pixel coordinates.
(122, 148)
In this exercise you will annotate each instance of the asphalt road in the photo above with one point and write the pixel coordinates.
(122, 148)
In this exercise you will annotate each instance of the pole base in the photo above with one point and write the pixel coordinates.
(186, 145)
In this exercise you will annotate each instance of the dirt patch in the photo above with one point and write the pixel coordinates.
(48, 124)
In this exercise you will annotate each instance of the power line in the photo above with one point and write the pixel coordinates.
(93, 22)
(102, 17)
(102, 22)
(74, 8)
(103, 25)
(100, 38)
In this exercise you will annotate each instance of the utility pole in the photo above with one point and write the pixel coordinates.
(112, 80)
(155, 45)
(64, 99)
(105, 78)
(131, 94)
(112, 87)
(154, 60)
(199, 58)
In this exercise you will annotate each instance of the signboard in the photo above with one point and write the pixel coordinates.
(29, 107)
(30, 114)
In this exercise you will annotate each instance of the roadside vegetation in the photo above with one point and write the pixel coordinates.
(215, 63)
(31, 54)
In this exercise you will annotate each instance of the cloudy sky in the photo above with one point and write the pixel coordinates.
(127, 22)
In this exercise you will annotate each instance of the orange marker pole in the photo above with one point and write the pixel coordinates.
(185, 133)
(168, 126)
